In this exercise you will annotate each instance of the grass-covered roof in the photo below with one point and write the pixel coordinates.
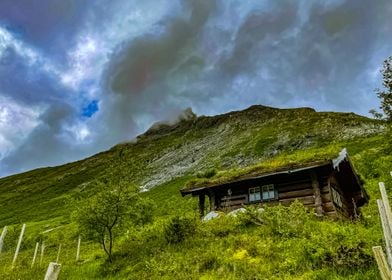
(280, 163)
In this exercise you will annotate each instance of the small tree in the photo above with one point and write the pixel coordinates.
(386, 94)
(101, 216)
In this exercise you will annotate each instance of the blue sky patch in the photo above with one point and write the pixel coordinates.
(90, 109)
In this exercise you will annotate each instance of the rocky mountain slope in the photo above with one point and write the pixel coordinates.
(291, 244)
(190, 146)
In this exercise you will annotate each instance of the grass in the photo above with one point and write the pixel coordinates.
(214, 149)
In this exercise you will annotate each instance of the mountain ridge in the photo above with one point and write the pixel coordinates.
(192, 145)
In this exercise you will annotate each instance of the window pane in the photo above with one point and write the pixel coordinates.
(254, 194)
(268, 192)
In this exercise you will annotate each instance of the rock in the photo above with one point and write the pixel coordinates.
(211, 215)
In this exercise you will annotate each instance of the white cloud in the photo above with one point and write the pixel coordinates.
(78, 133)
(16, 122)
(83, 60)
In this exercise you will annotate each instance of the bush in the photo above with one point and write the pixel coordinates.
(179, 228)
(220, 227)
(206, 174)
(292, 221)
(142, 212)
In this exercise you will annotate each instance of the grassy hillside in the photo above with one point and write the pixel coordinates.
(166, 158)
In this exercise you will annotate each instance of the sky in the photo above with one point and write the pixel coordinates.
(78, 76)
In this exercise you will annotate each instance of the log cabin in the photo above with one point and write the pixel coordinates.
(330, 187)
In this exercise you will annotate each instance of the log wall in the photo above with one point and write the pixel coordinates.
(347, 207)
(294, 187)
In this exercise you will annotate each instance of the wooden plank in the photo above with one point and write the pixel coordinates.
(325, 189)
(235, 202)
(294, 187)
(211, 198)
(326, 197)
(18, 245)
(35, 254)
(386, 230)
(329, 206)
(234, 197)
(382, 263)
(331, 213)
(3, 234)
(295, 194)
(290, 181)
(53, 271)
(317, 194)
(387, 207)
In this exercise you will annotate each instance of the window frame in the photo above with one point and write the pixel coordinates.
(252, 192)
(268, 189)
(336, 198)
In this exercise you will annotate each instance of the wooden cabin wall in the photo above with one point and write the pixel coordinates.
(328, 206)
(290, 188)
(347, 206)
(296, 188)
(238, 198)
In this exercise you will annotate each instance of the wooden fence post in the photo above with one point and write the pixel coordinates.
(78, 250)
(19, 243)
(382, 263)
(387, 207)
(386, 230)
(35, 254)
(3, 233)
(42, 252)
(53, 271)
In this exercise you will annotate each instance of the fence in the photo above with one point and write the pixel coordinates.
(384, 262)
(53, 269)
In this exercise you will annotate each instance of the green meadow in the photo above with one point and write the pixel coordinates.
(290, 243)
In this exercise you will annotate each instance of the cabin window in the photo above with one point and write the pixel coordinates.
(336, 197)
(268, 192)
(254, 194)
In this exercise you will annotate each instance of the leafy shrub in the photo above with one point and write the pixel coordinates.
(142, 212)
(252, 216)
(206, 174)
(179, 228)
(220, 227)
(292, 221)
(349, 256)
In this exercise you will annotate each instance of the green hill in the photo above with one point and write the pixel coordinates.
(167, 157)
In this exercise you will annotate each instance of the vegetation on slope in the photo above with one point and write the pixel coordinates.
(165, 159)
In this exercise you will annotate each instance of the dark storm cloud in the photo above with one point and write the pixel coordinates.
(316, 57)
(49, 24)
(148, 58)
(213, 56)
(252, 32)
(45, 144)
(139, 72)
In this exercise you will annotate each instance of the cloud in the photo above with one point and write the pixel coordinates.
(138, 77)
(79, 77)
(48, 24)
(16, 122)
(47, 143)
